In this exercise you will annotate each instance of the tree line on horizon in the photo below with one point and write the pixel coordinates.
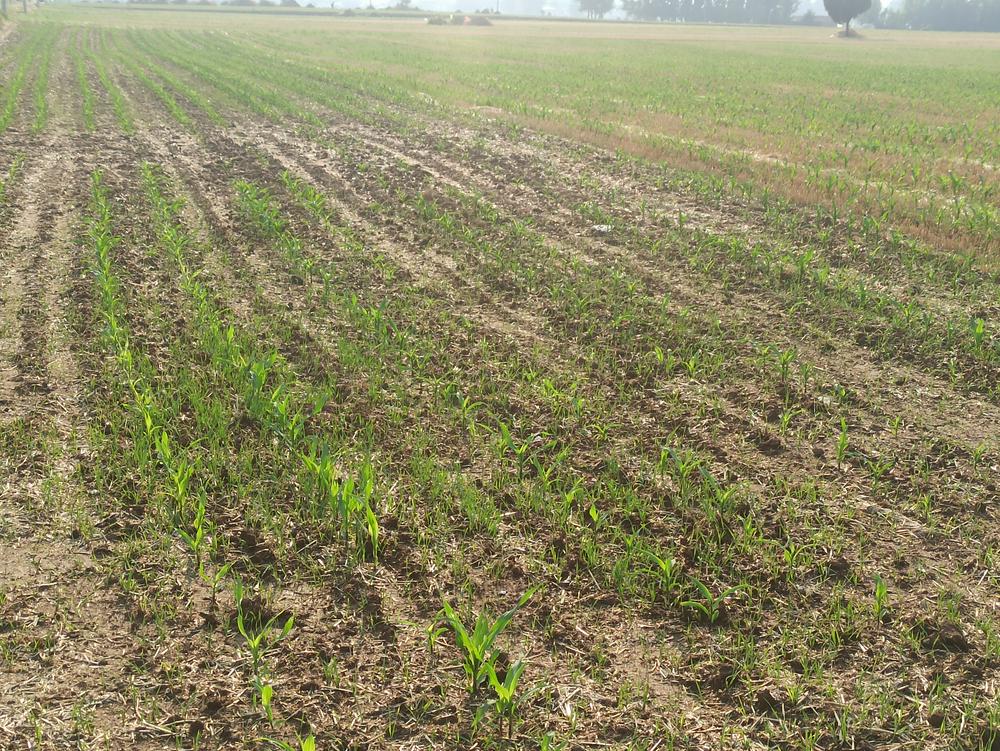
(938, 15)
(931, 15)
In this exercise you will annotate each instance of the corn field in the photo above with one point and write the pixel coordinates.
(367, 384)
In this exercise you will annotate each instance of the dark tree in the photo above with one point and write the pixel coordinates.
(842, 11)
(651, 10)
(596, 8)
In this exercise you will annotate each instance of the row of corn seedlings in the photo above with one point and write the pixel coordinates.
(96, 54)
(87, 104)
(265, 386)
(476, 644)
(8, 180)
(152, 442)
(192, 94)
(179, 469)
(42, 68)
(35, 45)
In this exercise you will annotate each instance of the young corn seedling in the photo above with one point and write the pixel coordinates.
(195, 540)
(666, 360)
(803, 261)
(548, 742)
(468, 408)
(693, 363)
(196, 537)
(667, 572)
(265, 694)
(842, 444)
(261, 638)
(348, 501)
(518, 450)
(805, 374)
(879, 468)
(180, 470)
(214, 580)
(794, 556)
(478, 644)
(6, 181)
(786, 419)
(681, 465)
(977, 455)
(569, 497)
(978, 328)
(709, 606)
(881, 605)
(355, 506)
(895, 424)
(304, 744)
(784, 362)
(505, 699)
(433, 634)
